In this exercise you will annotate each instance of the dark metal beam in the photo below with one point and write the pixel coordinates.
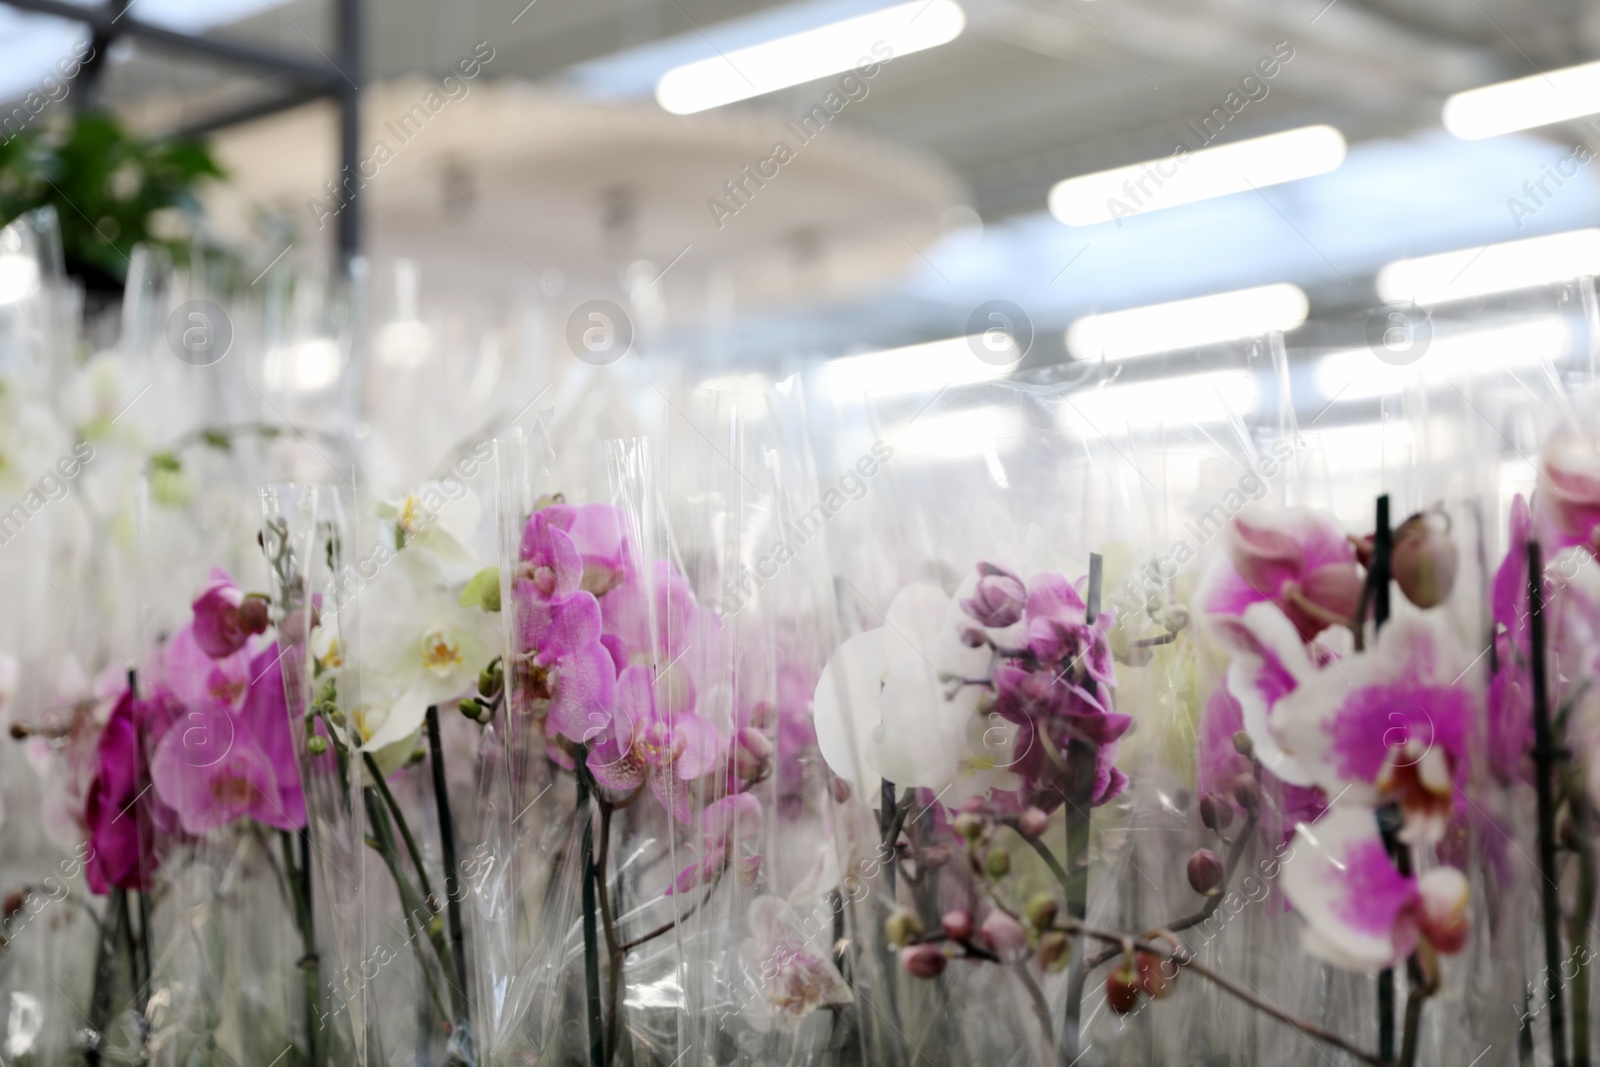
(259, 109)
(104, 22)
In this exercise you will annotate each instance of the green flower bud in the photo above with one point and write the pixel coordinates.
(317, 745)
(902, 927)
(1041, 910)
(999, 863)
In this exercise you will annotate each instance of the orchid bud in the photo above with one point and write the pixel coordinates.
(969, 826)
(957, 923)
(1442, 917)
(1004, 935)
(998, 599)
(1032, 823)
(317, 745)
(1205, 871)
(1055, 948)
(1041, 910)
(1122, 990)
(1335, 588)
(255, 614)
(1247, 792)
(1364, 547)
(491, 679)
(902, 927)
(1153, 978)
(1216, 812)
(1423, 562)
(998, 863)
(840, 790)
(1243, 745)
(752, 754)
(923, 961)
(971, 636)
(937, 856)
(217, 628)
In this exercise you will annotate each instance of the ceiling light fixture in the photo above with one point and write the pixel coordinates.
(1522, 104)
(805, 57)
(1192, 323)
(1189, 176)
(915, 368)
(1496, 268)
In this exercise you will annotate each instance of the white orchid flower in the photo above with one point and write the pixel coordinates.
(886, 707)
(420, 647)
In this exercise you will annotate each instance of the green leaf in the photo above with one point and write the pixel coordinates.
(483, 590)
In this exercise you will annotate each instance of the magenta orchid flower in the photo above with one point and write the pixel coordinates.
(224, 618)
(648, 742)
(1389, 725)
(1269, 661)
(123, 816)
(265, 717)
(1296, 560)
(1061, 694)
(1360, 912)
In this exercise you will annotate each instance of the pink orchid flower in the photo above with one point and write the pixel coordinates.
(727, 827)
(195, 676)
(648, 742)
(1389, 725)
(796, 977)
(550, 565)
(1360, 912)
(211, 771)
(564, 661)
(1294, 559)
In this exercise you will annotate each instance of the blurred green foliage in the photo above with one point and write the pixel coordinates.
(111, 191)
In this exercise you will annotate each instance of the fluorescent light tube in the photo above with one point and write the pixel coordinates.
(1496, 268)
(1186, 399)
(805, 57)
(923, 368)
(1111, 195)
(1357, 373)
(1201, 320)
(1537, 100)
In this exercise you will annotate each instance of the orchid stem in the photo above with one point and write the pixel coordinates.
(410, 904)
(300, 890)
(1578, 929)
(1544, 756)
(447, 846)
(1378, 583)
(105, 964)
(591, 933)
(1080, 761)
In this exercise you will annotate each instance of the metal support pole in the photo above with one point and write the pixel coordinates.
(352, 45)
